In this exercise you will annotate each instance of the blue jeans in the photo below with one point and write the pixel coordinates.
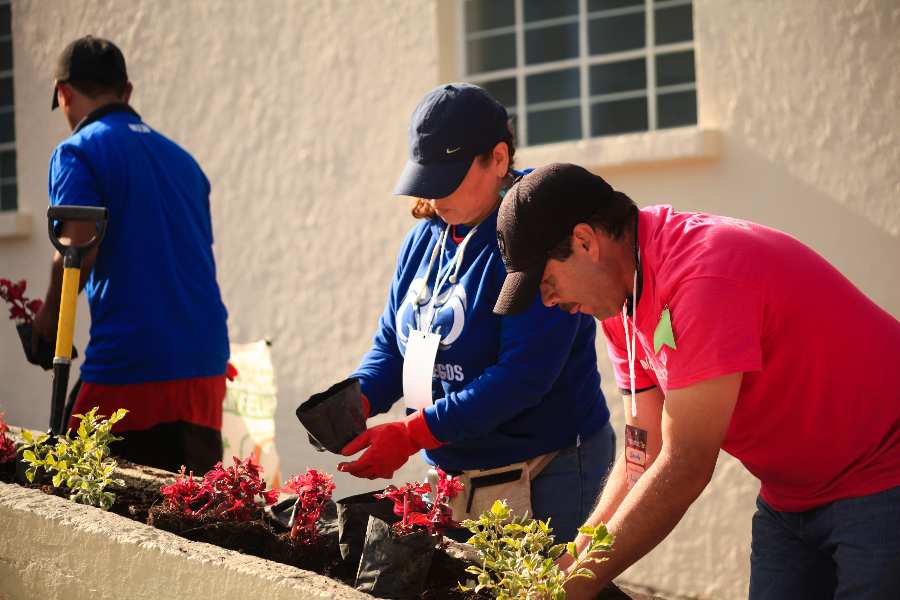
(567, 489)
(847, 549)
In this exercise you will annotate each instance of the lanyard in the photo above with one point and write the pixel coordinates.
(631, 343)
(452, 274)
(630, 348)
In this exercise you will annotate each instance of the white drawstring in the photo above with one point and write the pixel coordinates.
(630, 347)
(438, 249)
(439, 283)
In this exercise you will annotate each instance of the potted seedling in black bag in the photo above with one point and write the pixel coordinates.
(22, 311)
(396, 558)
(334, 417)
(353, 515)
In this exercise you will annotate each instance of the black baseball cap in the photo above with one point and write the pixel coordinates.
(452, 125)
(537, 213)
(90, 60)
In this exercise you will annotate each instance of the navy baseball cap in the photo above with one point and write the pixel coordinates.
(90, 59)
(452, 125)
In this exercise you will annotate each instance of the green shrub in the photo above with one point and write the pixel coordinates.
(81, 462)
(519, 556)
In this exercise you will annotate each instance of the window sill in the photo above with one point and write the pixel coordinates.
(15, 224)
(663, 146)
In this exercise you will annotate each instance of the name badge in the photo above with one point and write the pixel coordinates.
(635, 454)
(418, 368)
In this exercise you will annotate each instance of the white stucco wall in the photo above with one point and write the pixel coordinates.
(298, 111)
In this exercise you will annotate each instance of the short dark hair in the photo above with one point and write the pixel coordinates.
(92, 89)
(612, 218)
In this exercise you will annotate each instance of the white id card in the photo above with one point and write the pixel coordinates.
(418, 368)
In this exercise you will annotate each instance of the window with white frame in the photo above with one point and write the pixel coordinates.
(8, 191)
(575, 69)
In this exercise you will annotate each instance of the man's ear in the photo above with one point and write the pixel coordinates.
(500, 158)
(64, 93)
(584, 238)
(126, 94)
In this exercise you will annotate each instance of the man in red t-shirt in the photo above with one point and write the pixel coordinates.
(725, 334)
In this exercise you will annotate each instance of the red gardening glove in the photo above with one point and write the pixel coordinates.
(389, 447)
(230, 371)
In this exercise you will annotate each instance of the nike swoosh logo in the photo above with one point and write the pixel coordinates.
(451, 151)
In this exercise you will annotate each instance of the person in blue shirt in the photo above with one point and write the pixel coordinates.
(486, 395)
(158, 339)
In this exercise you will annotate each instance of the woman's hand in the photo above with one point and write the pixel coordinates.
(389, 447)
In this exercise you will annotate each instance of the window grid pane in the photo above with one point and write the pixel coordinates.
(488, 14)
(675, 68)
(547, 44)
(674, 24)
(539, 10)
(8, 185)
(615, 34)
(554, 125)
(617, 96)
(555, 85)
(491, 53)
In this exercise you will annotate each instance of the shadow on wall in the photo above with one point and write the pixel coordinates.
(746, 185)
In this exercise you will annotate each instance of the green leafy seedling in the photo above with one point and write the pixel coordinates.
(80, 462)
(518, 555)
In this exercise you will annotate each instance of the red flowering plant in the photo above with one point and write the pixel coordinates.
(410, 504)
(7, 446)
(21, 309)
(313, 489)
(234, 493)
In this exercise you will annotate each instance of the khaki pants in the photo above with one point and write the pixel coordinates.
(482, 487)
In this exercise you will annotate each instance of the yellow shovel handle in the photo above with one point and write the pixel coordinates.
(66, 328)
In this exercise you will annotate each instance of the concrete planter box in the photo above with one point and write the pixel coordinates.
(51, 547)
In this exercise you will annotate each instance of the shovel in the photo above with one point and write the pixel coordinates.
(72, 255)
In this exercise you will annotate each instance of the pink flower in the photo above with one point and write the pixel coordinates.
(7, 446)
(21, 308)
(227, 493)
(410, 504)
(313, 489)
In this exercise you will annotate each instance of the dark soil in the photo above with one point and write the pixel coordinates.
(257, 538)
(8, 471)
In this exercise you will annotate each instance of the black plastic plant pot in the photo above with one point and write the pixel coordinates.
(353, 515)
(394, 566)
(281, 513)
(334, 417)
(8, 471)
(46, 349)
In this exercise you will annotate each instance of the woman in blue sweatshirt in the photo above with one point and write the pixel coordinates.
(483, 391)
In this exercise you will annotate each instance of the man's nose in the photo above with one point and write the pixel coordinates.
(548, 296)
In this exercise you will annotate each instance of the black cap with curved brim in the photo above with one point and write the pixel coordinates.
(537, 213)
(452, 125)
(90, 60)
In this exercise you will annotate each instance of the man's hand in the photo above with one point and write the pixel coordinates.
(389, 447)
(693, 425)
(43, 328)
(45, 322)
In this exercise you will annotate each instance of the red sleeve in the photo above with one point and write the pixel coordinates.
(717, 324)
(614, 332)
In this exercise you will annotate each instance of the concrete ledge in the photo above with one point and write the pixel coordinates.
(53, 548)
(683, 144)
